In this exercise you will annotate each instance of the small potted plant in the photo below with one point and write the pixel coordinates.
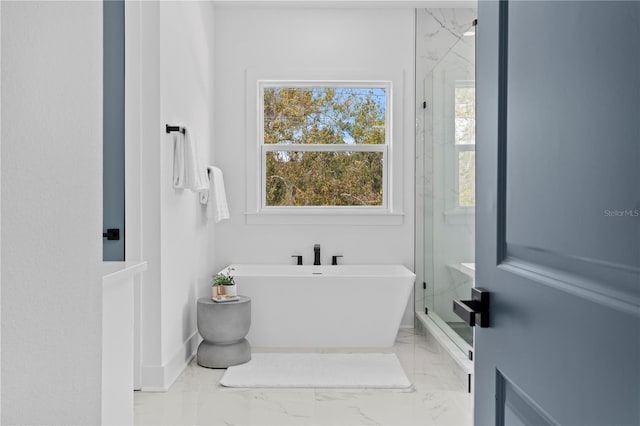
(224, 284)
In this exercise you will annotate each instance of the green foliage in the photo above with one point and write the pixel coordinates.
(467, 178)
(326, 116)
(465, 115)
(224, 279)
(324, 178)
(465, 134)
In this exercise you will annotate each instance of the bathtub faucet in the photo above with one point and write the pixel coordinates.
(316, 254)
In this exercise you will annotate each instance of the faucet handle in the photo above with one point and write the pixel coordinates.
(334, 259)
(299, 259)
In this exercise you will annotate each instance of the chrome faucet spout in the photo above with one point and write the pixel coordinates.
(316, 254)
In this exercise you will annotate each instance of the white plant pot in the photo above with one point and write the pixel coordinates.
(224, 290)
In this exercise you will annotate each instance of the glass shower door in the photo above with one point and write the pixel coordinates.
(449, 187)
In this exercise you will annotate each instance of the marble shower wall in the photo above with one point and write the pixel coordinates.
(448, 238)
(437, 31)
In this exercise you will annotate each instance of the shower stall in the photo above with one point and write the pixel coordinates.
(445, 144)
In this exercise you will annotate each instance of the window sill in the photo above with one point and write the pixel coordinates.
(327, 218)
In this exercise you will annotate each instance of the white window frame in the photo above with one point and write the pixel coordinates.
(397, 124)
(383, 148)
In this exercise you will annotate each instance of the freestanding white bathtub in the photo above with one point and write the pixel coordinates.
(324, 306)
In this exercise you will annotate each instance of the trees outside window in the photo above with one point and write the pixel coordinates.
(324, 144)
(465, 144)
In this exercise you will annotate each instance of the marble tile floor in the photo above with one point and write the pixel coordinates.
(439, 397)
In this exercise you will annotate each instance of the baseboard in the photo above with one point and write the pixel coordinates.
(152, 378)
(180, 359)
(160, 378)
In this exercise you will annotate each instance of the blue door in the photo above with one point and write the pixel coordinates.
(558, 213)
(113, 131)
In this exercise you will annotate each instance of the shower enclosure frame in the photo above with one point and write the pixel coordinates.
(424, 242)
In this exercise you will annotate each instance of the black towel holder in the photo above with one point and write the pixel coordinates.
(170, 129)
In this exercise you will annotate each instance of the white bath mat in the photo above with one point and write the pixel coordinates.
(314, 370)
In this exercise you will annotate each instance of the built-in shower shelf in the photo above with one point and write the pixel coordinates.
(469, 269)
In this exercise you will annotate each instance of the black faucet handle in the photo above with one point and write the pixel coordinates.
(316, 254)
(334, 259)
(299, 259)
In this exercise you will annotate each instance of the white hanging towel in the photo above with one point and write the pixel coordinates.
(216, 197)
(188, 173)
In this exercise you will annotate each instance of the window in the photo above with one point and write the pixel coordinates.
(465, 144)
(324, 145)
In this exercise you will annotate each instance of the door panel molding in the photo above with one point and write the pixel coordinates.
(615, 285)
(514, 406)
(622, 298)
(613, 278)
(503, 67)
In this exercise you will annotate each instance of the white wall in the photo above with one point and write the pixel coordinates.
(186, 84)
(51, 212)
(442, 239)
(176, 81)
(308, 38)
(0, 212)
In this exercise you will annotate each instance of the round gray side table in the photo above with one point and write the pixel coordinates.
(223, 327)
